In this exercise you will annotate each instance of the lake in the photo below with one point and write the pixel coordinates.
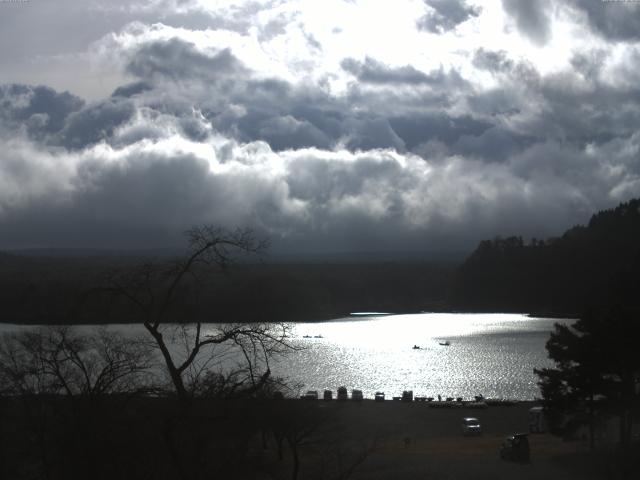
(489, 354)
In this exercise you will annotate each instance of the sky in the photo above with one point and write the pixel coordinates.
(325, 126)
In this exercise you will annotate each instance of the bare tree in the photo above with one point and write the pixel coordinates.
(60, 360)
(155, 289)
(55, 380)
(341, 458)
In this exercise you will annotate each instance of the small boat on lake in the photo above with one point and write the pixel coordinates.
(446, 343)
(416, 347)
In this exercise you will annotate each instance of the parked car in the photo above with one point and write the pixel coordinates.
(328, 395)
(356, 395)
(515, 448)
(379, 397)
(310, 395)
(342, 393)
(471, 426)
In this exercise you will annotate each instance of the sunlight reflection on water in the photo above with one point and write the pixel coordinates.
(490, 354)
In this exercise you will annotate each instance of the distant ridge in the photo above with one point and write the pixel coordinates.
(432, 256)
(95, 252)
(452, 256)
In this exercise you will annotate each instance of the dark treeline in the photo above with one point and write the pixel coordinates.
(588, 266)
(49, 290)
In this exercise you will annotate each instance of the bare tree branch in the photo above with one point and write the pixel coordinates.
(153, 290)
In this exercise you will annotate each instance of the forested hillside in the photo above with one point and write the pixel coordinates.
(588, 266)
(72, 290)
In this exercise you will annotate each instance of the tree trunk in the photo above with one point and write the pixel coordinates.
(591, 423)
(296, 459)
(279, 441)
(168, 432)
(176, 376)
(626, 407)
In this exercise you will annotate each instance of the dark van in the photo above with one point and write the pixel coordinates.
(515, 448)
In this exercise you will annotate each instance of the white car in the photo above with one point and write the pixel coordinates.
(471, 426)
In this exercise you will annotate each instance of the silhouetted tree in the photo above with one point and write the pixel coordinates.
(160, 294)
(57, 383)
(60, 360)
(595, 359)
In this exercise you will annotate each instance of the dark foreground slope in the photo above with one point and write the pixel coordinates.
(589, 266)
(125, 438)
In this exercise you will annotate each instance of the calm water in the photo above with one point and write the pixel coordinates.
(489, 354)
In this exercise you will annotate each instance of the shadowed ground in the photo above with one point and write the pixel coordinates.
(125, 438)
(416, 441)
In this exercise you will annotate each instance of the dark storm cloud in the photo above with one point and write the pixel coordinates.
(42, 110)
(60, 118)
(176, 59)
(575, 108)
(321, 181)
(420, 128)
(96, 122)
(132, 89)
(497, 102)
(612, 20)
(493, 61)
(445, 15)
(274, 111)
(598, 115)
(368, 134)
(290, 116)
(114, 206)
(589, 64)
(371, 71)
(494, 144)
(146, 197)
(531, 17)
(284, 131)
(322, 200)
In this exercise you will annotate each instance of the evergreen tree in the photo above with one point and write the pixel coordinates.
(597, 368)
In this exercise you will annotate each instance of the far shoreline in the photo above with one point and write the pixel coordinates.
(351, 316)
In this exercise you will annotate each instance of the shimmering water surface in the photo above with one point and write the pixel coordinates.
(489, 354)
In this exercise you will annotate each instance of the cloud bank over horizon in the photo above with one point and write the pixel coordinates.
(347, 126)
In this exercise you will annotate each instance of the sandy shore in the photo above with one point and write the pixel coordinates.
(414, 440)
